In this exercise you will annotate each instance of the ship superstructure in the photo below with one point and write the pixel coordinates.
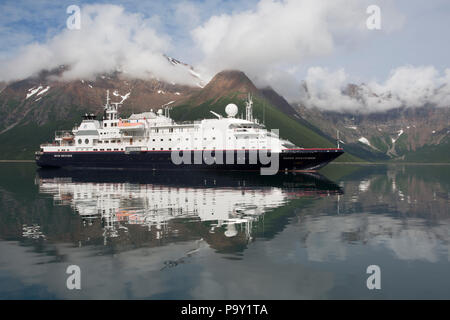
(153, 140)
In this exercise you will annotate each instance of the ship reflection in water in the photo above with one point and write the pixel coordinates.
(200, 235)
(221, 209)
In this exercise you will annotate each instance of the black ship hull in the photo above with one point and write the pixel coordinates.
(291, 160)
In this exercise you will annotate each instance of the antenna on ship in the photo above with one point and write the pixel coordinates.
(264, 113)
(339, 141)
(107, 98)
(249, 108)
(338, 145)
(111, 108)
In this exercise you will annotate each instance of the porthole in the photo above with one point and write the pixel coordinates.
(80, 141)
(86, 141)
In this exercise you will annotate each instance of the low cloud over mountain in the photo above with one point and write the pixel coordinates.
(110, 39)
(406, 87)
(273, 42)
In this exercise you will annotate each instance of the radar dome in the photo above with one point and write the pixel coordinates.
(231, 110)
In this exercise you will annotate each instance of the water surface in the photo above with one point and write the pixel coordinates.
(166, 235)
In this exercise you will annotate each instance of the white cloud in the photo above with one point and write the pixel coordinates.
(277, 35)
(272, 42)
(109, 38)
(406, 86)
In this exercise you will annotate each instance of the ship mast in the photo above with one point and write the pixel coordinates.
(111, 109)
(249, 108)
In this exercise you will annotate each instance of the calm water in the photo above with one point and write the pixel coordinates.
(194, 236)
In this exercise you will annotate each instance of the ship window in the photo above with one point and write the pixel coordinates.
(106, 125)
(86, 141)
(79, 141)
(153, 140)
(153, 149)
(95, 149)
(162, 139)
(170, 148)
(171, 130)
(162, 149)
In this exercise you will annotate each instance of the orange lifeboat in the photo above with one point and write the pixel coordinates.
(126, 125)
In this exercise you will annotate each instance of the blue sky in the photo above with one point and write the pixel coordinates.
(414, 33)
(25, 21)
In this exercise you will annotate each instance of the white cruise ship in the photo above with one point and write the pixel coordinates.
(154, 141)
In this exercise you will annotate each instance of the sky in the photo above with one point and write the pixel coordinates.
(287, 44)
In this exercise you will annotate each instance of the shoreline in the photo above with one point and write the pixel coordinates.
(392, 163)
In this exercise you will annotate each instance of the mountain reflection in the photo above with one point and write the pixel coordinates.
(154, 208)
(166, 235)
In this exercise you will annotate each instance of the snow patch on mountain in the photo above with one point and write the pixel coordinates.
(125, 97)
(400, 132)
(365, 141)
(32, 91)
(43, 91)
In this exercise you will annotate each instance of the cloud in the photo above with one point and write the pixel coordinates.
(109, 39)
(406, 86)
(277, 35)
(272, 41)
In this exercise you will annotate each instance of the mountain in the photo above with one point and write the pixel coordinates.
(420, 134)
(233, 86)
(32, 109)
(225, 83)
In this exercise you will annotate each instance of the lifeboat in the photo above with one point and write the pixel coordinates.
(126, 125)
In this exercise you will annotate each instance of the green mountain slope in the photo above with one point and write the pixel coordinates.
(289, 127)
(431, 153)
